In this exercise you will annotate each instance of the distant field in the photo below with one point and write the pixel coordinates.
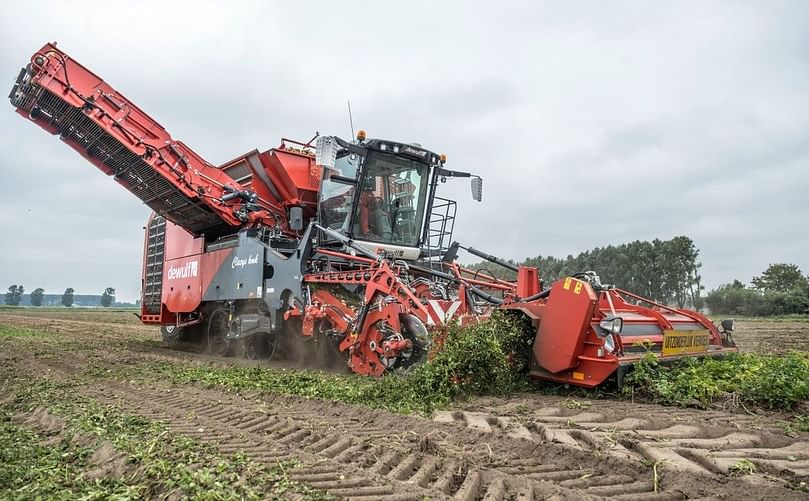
(772, 335)
(101, 315)
(753, 334)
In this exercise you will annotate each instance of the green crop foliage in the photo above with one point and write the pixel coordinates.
(31, 470)
(769, 381)
(161, 463)
(742, 467)
(490, 357)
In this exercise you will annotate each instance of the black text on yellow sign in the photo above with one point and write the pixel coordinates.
(679, 342)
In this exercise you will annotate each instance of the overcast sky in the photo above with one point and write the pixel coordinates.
(592, 123)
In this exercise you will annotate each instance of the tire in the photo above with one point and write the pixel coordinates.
(170, 335)
(258, 346)
(216, 329)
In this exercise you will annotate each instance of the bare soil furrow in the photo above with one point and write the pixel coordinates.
(525, 447)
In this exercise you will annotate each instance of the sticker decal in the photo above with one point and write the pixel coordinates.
(567, 284)
(188, 270)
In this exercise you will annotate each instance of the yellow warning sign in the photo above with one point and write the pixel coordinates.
(682, 342)
(566, 286)
(577, 289)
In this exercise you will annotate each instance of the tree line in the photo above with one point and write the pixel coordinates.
(782, 289)
(15, 294)
(666, 271)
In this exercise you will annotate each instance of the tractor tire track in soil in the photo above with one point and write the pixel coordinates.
(527, 447)
(701, 442)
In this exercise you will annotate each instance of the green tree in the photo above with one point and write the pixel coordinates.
(108, 297)
(14, 295)
(781, 277)
(736, 299)
(36, 296)
(666, 271)
(67, 297)
(679, 269)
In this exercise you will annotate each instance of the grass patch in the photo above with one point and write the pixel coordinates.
(160, 463)
(769, 381)
(7, 331)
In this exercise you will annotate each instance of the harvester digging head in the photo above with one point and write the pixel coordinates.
(588, 332)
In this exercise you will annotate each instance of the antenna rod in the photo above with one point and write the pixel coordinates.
(350, 118)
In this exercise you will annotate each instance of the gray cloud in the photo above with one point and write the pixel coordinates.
(592, 123)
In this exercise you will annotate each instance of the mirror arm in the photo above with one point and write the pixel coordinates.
(452, 173)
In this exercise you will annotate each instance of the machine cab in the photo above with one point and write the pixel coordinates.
(376, 193)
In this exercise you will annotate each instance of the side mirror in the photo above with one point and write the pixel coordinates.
(477, 189)
(296, 218)
(326, 151)
(612, 324)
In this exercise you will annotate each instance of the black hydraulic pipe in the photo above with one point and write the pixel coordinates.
(439, 274)
(490, 258)
(486, 297)
(347, 242)
(538, 295)
(446, 276)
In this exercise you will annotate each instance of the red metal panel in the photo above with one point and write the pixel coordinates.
(185, 279)
(564, 324)
(180, 243)
(182, 284)
(527, 281)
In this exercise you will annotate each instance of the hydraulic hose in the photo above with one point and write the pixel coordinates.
(446, 276)
(485, 296)
(538, 295)
(490, 258)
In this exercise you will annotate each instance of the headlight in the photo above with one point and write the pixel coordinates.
(728, 324)
(609, 343)
(612, 324)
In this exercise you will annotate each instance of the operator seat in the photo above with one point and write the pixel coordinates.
(372, 221)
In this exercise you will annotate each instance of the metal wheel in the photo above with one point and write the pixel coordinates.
(216, 344)
(258, 346)
(271, 343)
(414, 330)
(170, 335)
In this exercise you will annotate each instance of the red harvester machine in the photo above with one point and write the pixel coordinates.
(331, 244)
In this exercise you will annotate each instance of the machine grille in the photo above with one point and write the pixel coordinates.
(153, 273)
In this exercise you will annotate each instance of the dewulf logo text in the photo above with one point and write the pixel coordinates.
(241, 262)
(189, 270)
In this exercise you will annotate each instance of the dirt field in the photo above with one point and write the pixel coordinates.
(763, 336)
(525, 447)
